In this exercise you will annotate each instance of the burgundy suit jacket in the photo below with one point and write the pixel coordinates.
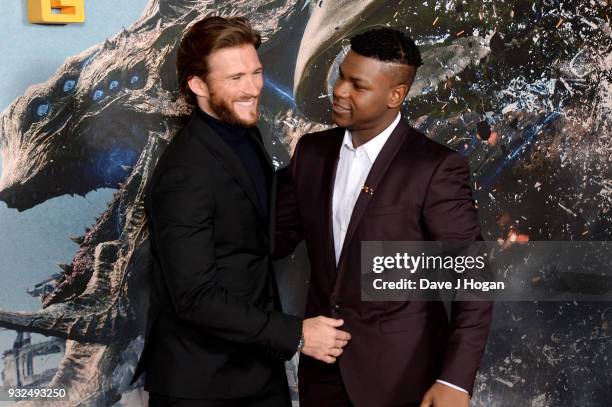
(421, 192)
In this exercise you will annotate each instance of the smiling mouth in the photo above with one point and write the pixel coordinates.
(339, 109)
(247, 103)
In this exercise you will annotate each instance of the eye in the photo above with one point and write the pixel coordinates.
(38, 109)
(114, 84)
(236, 78)
(97, 95)
(136, 77)
(42, 109)
(69, 85)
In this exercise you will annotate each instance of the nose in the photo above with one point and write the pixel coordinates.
(340, 89)
(253, 85)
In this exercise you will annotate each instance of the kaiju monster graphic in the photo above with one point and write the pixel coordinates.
(522, 90)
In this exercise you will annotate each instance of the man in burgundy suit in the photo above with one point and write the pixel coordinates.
(375, 178)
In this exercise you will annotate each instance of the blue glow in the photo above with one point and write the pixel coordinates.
(488, 180)
(281, 91)
(134, 79)
(107, 164)
(42, 109)
(69, 85)
(114, 84)
(97, 95)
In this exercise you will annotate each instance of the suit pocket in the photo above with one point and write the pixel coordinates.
(390, 209)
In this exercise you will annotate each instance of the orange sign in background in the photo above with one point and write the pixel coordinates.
(56, 11)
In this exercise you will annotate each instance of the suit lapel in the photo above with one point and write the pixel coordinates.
(330, 165)
(272, 212)
(380, 166)
(256, 135)
(229, 160)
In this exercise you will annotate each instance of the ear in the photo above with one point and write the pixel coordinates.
(198, 86)
(397, 95)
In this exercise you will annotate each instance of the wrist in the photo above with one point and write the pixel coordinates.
(301, 343)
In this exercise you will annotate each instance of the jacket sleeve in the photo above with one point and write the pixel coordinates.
(182, 211)
(289, 228)
(450, 214)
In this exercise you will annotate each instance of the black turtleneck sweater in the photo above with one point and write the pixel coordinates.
(243, 143)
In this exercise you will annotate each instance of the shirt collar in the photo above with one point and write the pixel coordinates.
(372, 148)
(224, 129)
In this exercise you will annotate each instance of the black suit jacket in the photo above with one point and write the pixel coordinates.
(421, 191)
(214, 329)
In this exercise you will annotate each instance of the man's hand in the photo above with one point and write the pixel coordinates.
(322, 339)
(441, 395)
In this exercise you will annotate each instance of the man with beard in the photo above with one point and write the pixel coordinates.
(375, 178)
(215, 335)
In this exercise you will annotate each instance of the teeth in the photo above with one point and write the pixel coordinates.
(246, 103)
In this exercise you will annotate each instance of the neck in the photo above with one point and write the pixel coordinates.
(362, 136)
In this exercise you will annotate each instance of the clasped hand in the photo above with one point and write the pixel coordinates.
(322, 338)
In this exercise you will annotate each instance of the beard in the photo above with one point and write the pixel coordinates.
(224, 110)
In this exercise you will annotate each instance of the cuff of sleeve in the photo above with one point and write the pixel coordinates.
(286, 332)
(453, 386)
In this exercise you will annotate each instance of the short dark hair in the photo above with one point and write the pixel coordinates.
(202, 39)
(389, 45)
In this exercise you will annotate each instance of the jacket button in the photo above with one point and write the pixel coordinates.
(337, 307)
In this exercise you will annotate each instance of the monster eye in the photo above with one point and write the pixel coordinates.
(42, 109)
(97, 95)
(69, 85)
(114, 81)
(136, 77)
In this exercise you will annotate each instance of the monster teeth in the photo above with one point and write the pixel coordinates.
(77, 239)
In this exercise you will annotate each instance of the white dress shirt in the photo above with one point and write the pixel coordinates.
(354, 165)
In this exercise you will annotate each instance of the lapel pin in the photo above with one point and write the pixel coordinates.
(367, 189)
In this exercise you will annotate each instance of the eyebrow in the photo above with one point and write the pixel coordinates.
(260, 68)
(353, 78)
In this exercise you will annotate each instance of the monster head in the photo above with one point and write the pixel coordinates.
(86, 126)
